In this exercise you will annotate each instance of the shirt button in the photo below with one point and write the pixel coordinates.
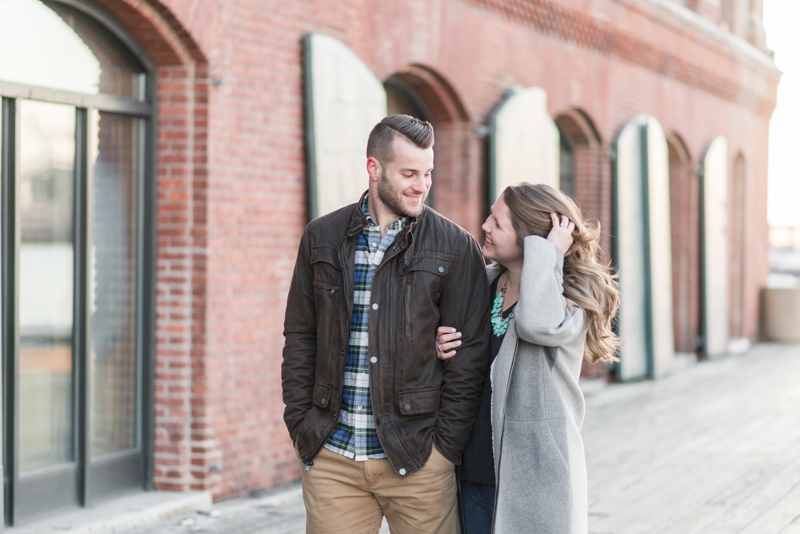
(441, 269)
(407, 407)
(374, 359)
(360, 408)
(402, 472)
(323, 400)
(375, 306)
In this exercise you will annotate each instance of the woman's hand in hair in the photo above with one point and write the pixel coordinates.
(447, 339)
(561, 233)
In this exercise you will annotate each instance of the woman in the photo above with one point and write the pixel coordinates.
(555, 304)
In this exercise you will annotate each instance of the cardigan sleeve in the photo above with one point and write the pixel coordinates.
(541, 315)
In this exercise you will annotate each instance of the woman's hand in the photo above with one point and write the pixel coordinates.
(561, 233)
(447, 339)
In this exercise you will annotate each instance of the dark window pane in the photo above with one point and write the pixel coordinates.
(113, 242)
(56, 46)
(567, 165)
(45, 199)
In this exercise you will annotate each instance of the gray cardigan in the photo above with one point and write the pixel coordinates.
(537, 406)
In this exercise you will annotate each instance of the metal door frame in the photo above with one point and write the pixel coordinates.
(89, 480)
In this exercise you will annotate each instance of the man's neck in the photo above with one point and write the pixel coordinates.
(379, 211)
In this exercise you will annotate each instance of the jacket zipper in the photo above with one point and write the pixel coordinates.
(502, 434)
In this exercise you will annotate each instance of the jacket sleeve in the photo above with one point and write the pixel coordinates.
(464, 305)
(300, 348)
(542, 315)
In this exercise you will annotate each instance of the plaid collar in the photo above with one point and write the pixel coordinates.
(395, 228)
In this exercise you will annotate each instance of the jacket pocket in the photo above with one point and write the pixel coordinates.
(325, 264)
(419, 401)
(322, 395)
(431, 264)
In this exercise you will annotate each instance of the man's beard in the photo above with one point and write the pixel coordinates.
(393, 199)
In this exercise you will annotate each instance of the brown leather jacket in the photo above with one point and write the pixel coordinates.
(432, 275)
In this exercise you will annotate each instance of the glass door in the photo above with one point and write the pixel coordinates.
(114, 444)
(76, 210)
(46, 364)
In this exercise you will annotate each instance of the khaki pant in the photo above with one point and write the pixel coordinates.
(343, 496)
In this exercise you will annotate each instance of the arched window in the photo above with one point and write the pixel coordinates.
(580, 165)
(456, 191)
(582, 177)
(74, 160)
(401, 98)
(566, 163)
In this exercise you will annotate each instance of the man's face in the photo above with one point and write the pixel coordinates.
(404, 183)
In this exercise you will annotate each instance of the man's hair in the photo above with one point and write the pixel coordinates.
(418, 133)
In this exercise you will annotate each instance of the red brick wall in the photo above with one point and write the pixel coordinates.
(231, 173)
(182, 422)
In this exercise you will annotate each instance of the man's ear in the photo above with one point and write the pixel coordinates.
(373, 168)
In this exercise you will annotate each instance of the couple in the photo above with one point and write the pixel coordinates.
(397, 369)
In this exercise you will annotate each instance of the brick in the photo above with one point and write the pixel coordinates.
(231, 171)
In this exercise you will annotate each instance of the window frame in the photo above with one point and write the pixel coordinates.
(146, 111)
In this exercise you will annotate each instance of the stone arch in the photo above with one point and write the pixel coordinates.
(737, 215)
(685, 210)
(457, 191)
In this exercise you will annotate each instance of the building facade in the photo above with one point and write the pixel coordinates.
(160, 159)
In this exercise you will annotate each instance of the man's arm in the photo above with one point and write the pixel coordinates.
(300, 349)
(464, 305)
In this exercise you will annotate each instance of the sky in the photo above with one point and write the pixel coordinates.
(780, 24)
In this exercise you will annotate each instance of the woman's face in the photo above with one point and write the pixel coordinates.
(500, 244)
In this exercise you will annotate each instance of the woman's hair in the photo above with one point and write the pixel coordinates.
(588, 283)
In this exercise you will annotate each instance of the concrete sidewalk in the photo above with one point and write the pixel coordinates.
(712, 449)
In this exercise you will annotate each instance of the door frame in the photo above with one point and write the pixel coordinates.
(88, 480)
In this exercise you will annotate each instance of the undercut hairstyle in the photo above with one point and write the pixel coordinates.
(418, 133)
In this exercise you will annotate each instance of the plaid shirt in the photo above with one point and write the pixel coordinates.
(354, 435)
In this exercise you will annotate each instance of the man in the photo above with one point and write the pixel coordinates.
(377, 419)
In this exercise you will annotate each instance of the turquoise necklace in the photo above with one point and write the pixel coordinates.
(500, 325)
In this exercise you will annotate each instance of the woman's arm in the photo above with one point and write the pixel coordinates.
(542, 315)
(545, 282)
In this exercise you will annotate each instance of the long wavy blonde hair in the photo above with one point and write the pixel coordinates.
(588, 283)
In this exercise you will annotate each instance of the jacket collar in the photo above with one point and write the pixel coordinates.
(358, 220)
